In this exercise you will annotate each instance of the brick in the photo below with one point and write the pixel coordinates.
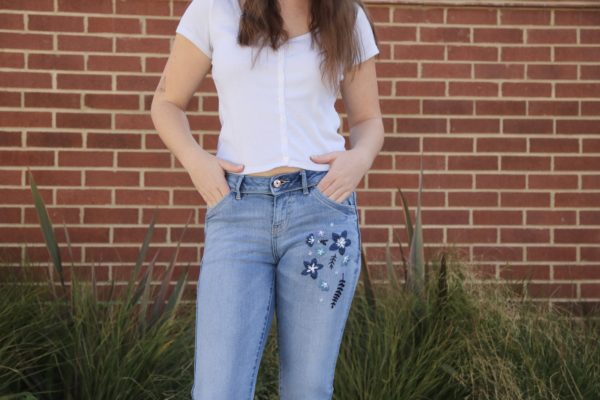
(418, 15)
(472, 16)
(520, 16)
(526, 53)
(472, 53)
(500, 181)
(497, 35)
(551, 35)
(474, 125)
(443, 34)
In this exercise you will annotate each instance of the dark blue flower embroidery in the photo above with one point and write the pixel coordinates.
(310, 239)
(311, 268)
(340, 242)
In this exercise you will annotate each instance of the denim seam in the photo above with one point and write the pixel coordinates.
(261, 342)
(196, 333)
(348, 308)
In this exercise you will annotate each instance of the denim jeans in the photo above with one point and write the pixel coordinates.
(274, 245)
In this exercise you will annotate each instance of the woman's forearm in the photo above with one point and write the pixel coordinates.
(173, 128)
(366, 139)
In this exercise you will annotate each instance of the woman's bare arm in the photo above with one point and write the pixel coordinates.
(361, 102)
(185, 69)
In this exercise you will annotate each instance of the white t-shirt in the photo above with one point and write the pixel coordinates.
(278, 112)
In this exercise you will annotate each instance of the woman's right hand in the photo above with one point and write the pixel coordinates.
(208, 176)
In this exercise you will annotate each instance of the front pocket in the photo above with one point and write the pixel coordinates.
(347, 205)
(211, 210)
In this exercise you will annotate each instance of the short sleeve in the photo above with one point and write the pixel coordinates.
(195, 25)
(365, 36)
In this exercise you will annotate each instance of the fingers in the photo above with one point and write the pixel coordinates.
(219, 193)
(335, 193)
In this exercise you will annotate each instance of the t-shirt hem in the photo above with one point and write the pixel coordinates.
(265, 167)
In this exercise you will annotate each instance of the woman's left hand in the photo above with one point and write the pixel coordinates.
(346, 169)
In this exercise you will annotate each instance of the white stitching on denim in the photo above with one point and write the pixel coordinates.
(262, 341)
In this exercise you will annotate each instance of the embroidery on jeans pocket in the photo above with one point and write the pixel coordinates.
(318, 245)
(338, 291)
(323, 285)
(311, 268)
(340, 242)
(332, 261)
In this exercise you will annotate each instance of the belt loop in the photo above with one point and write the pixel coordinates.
(237, 186)
(304, 182)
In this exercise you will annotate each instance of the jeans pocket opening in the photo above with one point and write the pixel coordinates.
(211, 210)
(346, 206)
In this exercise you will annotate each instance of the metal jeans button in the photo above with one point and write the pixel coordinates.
(277, 183)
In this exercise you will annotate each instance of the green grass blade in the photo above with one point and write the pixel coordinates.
(176, 295)
(367, 285)
(416, 272)
(389, 263)
(146, 293)
(409, 225)
(141, 257)
(47, 230)
(142, 285)
(162, 294)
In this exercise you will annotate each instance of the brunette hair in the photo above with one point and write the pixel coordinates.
(331, 26)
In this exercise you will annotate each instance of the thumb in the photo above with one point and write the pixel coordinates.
(231, 166)
(323, 158)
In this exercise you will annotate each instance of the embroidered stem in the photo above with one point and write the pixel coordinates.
(338, 291)
(332, 261)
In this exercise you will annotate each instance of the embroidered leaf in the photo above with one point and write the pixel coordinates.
(332, 261)
(338, 291)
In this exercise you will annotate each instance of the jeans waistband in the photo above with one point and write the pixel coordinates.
(276, 184)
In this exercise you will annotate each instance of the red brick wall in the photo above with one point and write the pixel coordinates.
(502, 98)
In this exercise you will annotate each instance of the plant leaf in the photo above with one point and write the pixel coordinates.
(47, 229)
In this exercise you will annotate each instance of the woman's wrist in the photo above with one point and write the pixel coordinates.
(363, 156)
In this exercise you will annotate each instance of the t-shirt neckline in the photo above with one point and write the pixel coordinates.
(292, 39)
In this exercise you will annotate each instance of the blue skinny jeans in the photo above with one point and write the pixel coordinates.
(274, 245)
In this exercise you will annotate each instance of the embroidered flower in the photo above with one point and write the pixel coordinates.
(311, 268)
(310, 239)
(324, 285)
(345, 260)
(340, 242)
(320, 251)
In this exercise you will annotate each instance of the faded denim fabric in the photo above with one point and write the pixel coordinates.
(274, 246)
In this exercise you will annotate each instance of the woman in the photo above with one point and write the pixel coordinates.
(281, 227)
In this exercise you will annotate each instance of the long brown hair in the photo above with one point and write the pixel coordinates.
(331, 25)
